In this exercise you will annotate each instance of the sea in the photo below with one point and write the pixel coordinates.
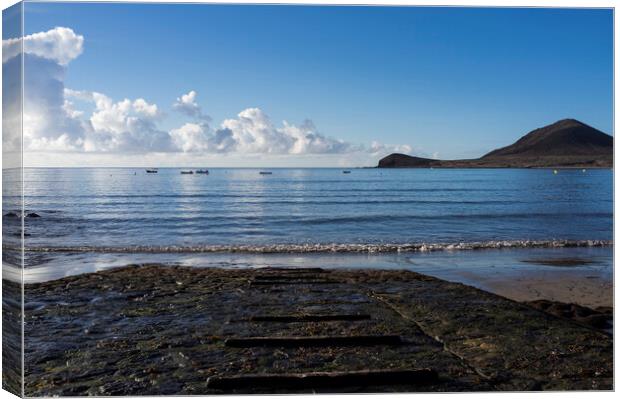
(95, 218)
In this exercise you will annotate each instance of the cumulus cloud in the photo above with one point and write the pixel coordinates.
(253, 132)
(141, 107)
(62, 143)
(60, 119)
(49, 122)
(11, 106)
(122, 126)
(186, 104)
(60, 45)
(190, 137)
(48, 117)
(377, 148)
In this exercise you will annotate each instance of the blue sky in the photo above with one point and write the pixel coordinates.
(447, 82)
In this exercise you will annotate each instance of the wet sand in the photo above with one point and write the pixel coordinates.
(156, 329)
(585, 286)
(582, 277)
(585, 290)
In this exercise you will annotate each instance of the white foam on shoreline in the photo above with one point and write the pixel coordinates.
(325, 248)
(454, 265)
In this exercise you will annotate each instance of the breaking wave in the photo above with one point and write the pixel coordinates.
(326, 248)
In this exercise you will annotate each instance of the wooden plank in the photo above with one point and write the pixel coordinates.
(363, 378)
(309, 318)
(294, 269)
(278, 276)
(297, 282)
(338, 340)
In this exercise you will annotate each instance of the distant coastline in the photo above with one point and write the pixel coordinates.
(567, 143)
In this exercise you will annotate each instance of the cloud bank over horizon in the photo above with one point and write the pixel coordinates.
(53, 124)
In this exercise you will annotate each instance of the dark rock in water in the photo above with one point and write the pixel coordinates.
(565, 143)
(28, 215)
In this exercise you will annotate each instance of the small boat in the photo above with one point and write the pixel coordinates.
(151, 171)
(202, 172)
(187, 172)
(346, 172)
(265, 173)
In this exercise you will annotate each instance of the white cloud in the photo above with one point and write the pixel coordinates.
(63, 143)
(122, 126)
(125, 126)
(142, 107)
(377, 148)
(70, 111)
(186, 104)
(308, 141)
(59, 119)
(49, 121)
(60, 45)
(78, 94)
(11, 107)
(196, 138)
(253, 132)
(109, 116)
(190, 137)
(47, 115)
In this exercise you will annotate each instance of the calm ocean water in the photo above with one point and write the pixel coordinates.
(293, 210)
(127, 207)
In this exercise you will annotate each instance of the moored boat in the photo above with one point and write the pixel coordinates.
(202, 172)
(187, 172)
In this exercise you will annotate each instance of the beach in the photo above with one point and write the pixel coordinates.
(154, 329)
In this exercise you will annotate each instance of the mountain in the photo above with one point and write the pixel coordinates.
(567, 137)
(565, 143)
(407, 161)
